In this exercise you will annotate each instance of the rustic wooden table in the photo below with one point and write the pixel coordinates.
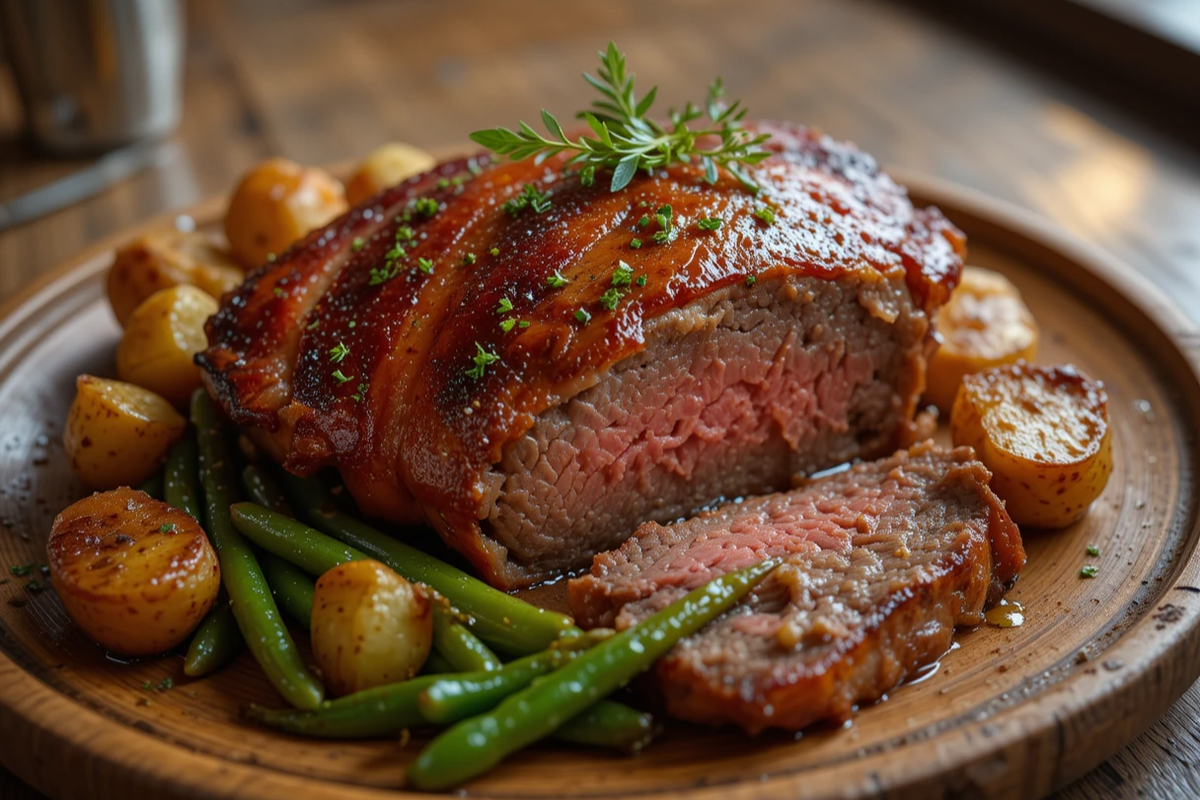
(322, 82)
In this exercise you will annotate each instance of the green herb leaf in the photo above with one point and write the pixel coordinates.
(622, 275)
(360, 393)
(341, 377)
(482, 359)
(641, 281)
(357, 244)
(166, 527)
(468, 259)
(504, 306)
(425, 265)
(611, 298)
(556, 281)
(582, 316)
(338, 353)
(507, 325)
(751, 280)
(635, 243)
(708, 223)
(627, 140)
(1093, 550)
(530, 197)
(21, 570)
(1090, 571)
(765, 214)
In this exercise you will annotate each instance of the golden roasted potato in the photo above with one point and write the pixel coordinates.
(164, 259)
(161, 340)
(1043, 432)
(985, 324)
(370, 627)
(136, 574)
(118, 434)
(384, 167)
(277, 203)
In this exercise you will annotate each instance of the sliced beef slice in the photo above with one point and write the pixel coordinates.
(881, 563)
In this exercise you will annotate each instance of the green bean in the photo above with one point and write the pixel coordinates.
(262, 489)
(181, 483)
(461, 648)
(382, 711)
(293, 541)
(153, 486)
(215, 643)
(292, 588)
(503, 621)
(249, 596)
(457, 697)
(612, 725)
(476, 745)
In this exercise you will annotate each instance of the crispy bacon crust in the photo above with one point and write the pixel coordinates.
(412, 432)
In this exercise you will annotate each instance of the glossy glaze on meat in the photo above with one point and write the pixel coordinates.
(374, 377)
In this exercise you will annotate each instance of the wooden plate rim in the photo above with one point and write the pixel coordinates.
(1059, 721)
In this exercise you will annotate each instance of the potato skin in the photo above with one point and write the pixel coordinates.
(118, 434)
(167, 258)
(370, 627)
(985, 324)
(161, 340)
(276, 204)
(1044, 434)
(385, 167)
(136, 574)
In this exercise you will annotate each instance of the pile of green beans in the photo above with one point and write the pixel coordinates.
(504, 622)
(476, 745)
(249, 596)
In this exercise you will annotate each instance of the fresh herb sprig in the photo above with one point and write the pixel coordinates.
(627, 140)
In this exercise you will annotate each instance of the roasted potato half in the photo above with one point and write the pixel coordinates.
(161, 340)
(384, 167)
(985, 324)
(1043, 432)
(164, 259)
(136, 574)
(118, 434)
(277, 203)
(370, 627)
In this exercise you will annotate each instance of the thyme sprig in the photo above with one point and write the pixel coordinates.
(627, 140)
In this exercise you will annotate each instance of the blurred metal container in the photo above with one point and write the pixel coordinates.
(95, 74)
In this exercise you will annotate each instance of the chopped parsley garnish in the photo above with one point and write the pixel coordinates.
(21, 570)
(611, 298)
(765, 214)
(360, 394)
(504, 306)
(166, 527)
(357, 244)
(1093, 550)
(164, 685)
(389, 270)
(623, 275)
(341, 377)
(530, 197)
(280, 292)
(1090, 571)
(635, 243)
(34, 585)
(524, 324)
(443, 183)
(641, 281)
(483, 359)
(468, 259)
(627, 138)
(751, 280)
(643, 222)
(709, 223)
(507, 325)
(665, 230)
(587, 175)
(556, 281)
(338, 353)
(495, 251)
(425, 265)
(316, 323)
(425, 206)
(582, 316)
(404, 234)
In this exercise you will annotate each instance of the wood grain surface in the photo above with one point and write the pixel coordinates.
(320, 82)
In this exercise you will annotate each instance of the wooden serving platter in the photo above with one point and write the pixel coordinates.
(1010, 713)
